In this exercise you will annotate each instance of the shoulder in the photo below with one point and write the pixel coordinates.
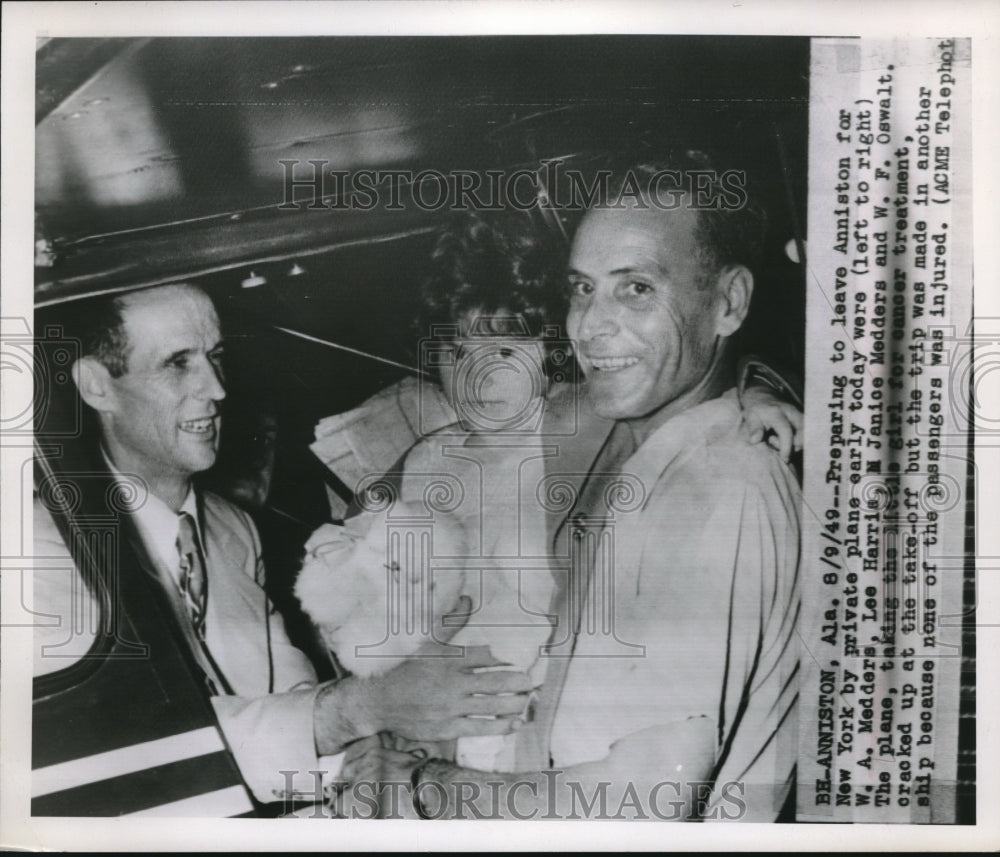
(224, 515)
(729, 455)
(713, 458)
(721, 503)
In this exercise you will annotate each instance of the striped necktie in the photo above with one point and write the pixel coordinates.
(193, 581)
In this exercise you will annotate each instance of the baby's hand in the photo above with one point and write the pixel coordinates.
(764, 413)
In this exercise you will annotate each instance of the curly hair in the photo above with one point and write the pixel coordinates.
(500, 266)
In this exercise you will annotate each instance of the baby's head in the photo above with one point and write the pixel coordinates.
(370, 587)
(495, 286)
(494, 376)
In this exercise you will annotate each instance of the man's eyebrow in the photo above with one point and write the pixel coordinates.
(617, 272)
(187, 352)
(629, 269)
(183, 352)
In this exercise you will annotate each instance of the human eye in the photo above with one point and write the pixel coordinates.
(638, 288)
(178, 362)
(217, 356)
(579, 288)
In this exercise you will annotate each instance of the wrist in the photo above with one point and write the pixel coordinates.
(342, 714)
(425, 775)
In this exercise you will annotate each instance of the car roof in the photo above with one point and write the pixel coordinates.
(159, 159)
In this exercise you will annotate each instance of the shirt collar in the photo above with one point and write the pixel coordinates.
(157, 523)
(683, 432)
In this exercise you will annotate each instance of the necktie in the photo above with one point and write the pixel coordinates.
(193, 581)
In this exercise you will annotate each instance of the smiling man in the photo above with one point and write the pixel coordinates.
(151, 370)
(696, 716)
(159, 406)
(649, 317)
(705, 574)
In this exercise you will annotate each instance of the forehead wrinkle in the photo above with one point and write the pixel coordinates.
(182, 319)
(635, 260)
(644, 230)
(170, 344)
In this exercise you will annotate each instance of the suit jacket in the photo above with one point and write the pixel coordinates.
(268, 719)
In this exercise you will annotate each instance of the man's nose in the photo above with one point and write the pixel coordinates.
(209, 382)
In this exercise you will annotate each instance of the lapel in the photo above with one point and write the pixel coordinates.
(237, 618)
(111, 501)
(222, 547)
(163, 583)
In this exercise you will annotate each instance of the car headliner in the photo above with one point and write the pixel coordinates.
(158, 160)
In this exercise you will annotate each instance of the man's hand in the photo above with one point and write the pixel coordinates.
(436, 694)
(765, 411)
(386, 772)
(677, 757)
(435, 697)
(376, 780)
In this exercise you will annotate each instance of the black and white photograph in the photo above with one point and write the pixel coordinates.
(449, 416)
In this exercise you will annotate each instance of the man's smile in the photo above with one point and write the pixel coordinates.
(611, 364)
(203, 426)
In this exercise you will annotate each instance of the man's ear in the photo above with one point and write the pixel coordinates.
(93, 381)
(735, 286)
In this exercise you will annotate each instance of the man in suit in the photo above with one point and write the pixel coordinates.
(151, 370)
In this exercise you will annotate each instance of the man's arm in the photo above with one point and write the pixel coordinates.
(658, 773)
(437, 694)
(425, 698)
(771, 402)
(429, 697)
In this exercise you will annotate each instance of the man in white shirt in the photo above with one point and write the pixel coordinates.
(699, 577)
(152, 373)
